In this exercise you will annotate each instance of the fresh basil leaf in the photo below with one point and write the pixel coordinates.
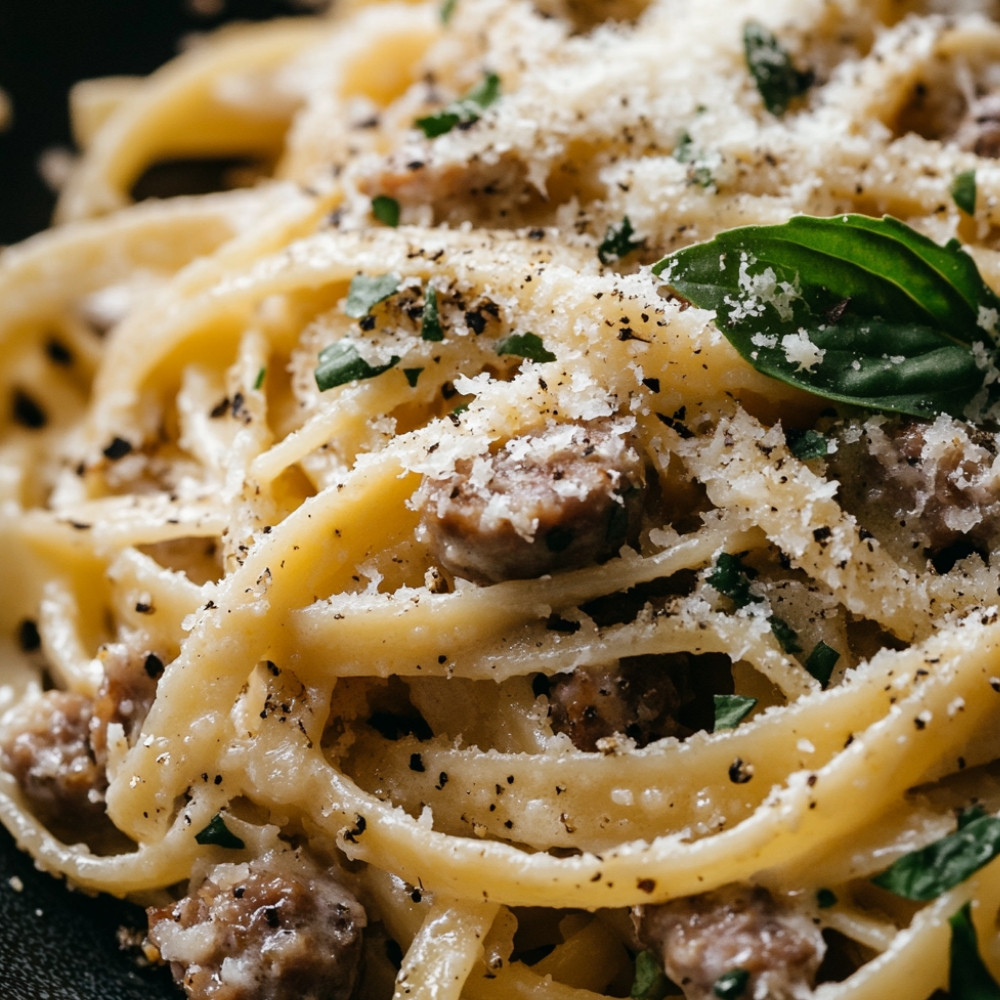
(731, 710)
(963, 191)
(386, 210)
(430, 321)
(940, 866)
(729, 578)
(778, 81)
(732, 984)
(464, 111)
(617, 242)
(525, 345)
(218, 834)
(968, 977)
(341, 363)
(650, 983)
(859, 310)
(821, 661)
(367, 291)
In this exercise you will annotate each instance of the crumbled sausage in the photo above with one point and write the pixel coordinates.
(51, 757)
(699, 939)
(566, 496)
(279, 927)
(921, 486)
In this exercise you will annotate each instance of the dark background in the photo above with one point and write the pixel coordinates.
(55, 945)
(46, 45)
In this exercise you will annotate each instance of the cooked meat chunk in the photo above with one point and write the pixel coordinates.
(979, 129)
(638, 697)
(920, 486)
(278, 927)
(699, 939)
(566, 496)
(51, 757)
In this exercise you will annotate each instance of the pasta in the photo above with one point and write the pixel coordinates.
(416, 590)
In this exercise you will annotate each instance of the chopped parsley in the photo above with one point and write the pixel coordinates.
(525, 345)
(464, 111)
(367, 291)
(446, 10)
(430, 321)
(698, 172)
(927, 873)
(808, 444)
(341, 363)
(412, 374)
(650, 983)
(261, 375)
(968, 976)
(731, 710)
(778, 80)
(963, 191)
(386, 210)
(821, 661)
(217, 834)
(617, 242)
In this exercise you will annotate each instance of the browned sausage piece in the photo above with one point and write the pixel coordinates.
(278, 927)
(562, 497)
(700, 939)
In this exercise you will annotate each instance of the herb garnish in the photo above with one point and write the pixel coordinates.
(938, 867)
(968, 977)
(821, 661)
(525, 345)
(732, 984)
(963, 191)
(218, 834)
(412, 374)
(367, 291)
(341, 363)
(430, 321)
(617, 242)
(807, 444)
(854, 309)
(650, 983)
(464, 111)
(778, 80)
(386, 210)
(684, 152)
(446, 10)
(731, 710)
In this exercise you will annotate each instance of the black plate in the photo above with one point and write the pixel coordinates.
(54, 944)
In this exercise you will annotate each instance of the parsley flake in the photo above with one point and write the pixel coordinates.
(430, 321)
(367, 291)
(968, 977)
(617, 242)
(341, 363)
(731, 710)
(650, 983)
(808, 444)
(218, 834)
(386, 210)
(778, 80)
(525, 345)
(963, 191)
(464, 111)
(821, 661)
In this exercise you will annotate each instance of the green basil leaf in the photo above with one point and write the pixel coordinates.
(963, 191)
(731, 710)
(367, 291)
(218, 834)
(732, 984)
(464, 111)
(730, 579)
(525, 345)
(650, 983)
(386, 210)
(859, 310)
(940, 866)
(341, 363)
(821, 661)
(968, 977)
(430, 321)
(778, 81)
(617, 242)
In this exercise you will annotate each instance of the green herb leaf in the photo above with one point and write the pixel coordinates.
(808, 444)
(963, 190)
(650, 983)
(825, 898)
(525, 345)
(785, 634)
(860, 310)
(729, 577)
(731, 710)
(218, 834)
(258, 382)
(367, 291)
(430, 321)
(464, 111)
(968, 977)
(777, 79)
(617, 242)
(446, 10)
(412, 374)
(698, 172)
(341, 363)
(732, 984)
(386, 210)
(940, 866)
(821, 661)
